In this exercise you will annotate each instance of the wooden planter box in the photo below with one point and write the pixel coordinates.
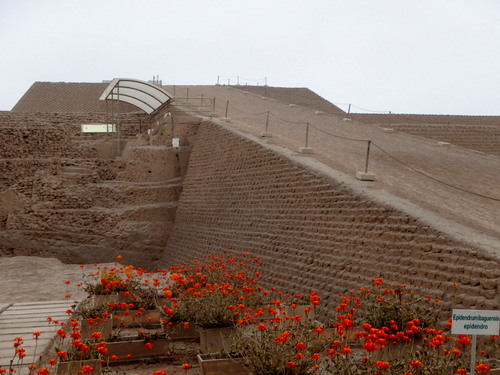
(179, 332)
(137, 318)
(74, 367)
(214, 340)
(396, 351)
(137, 350)
(216, 365)
(105, 326)
(106, 299)
(299, 310)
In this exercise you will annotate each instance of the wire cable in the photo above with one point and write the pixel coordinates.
(433, 178)
(290, 122)
(339, 136)
(246, 113)
(370, 110)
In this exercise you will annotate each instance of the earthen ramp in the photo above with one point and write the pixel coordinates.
(315, 230)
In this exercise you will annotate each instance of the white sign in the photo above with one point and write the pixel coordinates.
(475, 322)
(98, 128)
(176, 142)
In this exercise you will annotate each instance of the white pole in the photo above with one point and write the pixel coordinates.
(473, 355)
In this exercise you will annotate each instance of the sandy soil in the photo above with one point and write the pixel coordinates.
(30, 279)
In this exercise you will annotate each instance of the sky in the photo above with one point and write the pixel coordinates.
(402, 56)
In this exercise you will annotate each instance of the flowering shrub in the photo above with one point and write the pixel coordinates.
(69, 345)
(396, 334)
(110, 280)
(213, 292)
(283, 344)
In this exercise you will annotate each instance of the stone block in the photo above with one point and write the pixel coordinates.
(306, 150)
(365, 176)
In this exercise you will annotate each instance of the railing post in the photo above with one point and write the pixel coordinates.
(365, 176)
(307, 134)
(367, 156)
(266, 133)
(187, 94)
(213, 107)
(227, 108)
(306, 149)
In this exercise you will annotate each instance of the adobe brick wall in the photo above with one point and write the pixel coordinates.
(64, 194)
(314, 233)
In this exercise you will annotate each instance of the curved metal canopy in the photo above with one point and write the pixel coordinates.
(141, 94)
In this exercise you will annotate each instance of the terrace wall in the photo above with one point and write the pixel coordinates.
(78, 197)
(313, 232)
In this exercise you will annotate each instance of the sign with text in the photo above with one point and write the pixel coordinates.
(98, 128)
(475, 322)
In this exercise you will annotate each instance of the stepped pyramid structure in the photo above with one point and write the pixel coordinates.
(265, 170)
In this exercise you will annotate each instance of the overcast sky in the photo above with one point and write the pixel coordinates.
(404, 56)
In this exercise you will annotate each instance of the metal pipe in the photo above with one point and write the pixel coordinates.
(367, 156)
(118, 122)
(307, 135)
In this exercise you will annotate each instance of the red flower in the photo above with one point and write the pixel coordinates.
(370, 347)
(113, 357)
(483, 368)
(186, 366)
(300, 346)
(148, 346)
(291, 365)
(346, 350)
(262, 327)
(417, 364)
(382, 365)
(43, 371)
(87, 369)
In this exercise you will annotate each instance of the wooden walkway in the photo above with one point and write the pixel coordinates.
(21, 320)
